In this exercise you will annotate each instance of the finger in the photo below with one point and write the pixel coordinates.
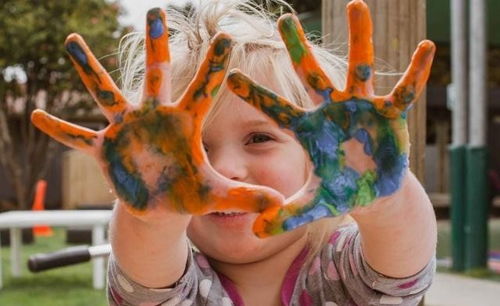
(277, 220)
(98, 82)
(411, 84)
(72, 135)
(208, 78)
(303, 60)
(269, 223)
(278, 108)
(360, 65)
(245, 198)
(157, 76)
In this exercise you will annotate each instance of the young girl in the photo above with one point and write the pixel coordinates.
(195, 243)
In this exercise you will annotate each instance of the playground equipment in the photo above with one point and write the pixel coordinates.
(67, 257)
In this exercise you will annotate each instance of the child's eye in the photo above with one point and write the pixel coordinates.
(259, 138)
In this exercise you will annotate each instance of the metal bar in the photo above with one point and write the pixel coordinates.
(15, 251)
(478, 74)
(459, 71)
(98, 238)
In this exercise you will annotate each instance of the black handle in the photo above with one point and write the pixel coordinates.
(65, 257)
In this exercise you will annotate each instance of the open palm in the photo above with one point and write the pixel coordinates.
(152, 152)
(358, 143)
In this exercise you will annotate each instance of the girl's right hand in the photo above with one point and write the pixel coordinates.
(358, 142)
(152, 153)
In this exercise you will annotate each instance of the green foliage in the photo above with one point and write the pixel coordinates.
(299, 6)
(32, 35)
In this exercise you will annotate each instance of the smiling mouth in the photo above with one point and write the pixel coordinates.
(228, 213)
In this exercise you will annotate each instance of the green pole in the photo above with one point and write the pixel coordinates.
(458, 102)
(476, 220)
(457, 180)
(477, 208)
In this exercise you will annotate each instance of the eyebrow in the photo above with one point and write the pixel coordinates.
(257, 122)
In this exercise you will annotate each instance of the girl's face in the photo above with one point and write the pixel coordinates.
(245, 145)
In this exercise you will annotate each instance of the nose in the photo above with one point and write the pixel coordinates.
(229, 163)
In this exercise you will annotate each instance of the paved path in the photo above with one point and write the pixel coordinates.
(455, 290)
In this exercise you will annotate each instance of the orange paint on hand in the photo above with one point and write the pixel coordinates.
(376, 123)
(152, 153)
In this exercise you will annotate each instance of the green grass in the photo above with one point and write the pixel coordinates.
(444, 248)
(68, 286)
(444, 237)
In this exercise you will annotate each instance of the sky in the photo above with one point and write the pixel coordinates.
(136, 11)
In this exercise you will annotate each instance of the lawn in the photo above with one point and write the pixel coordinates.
(72, 286)
(69, 286)
(444, 247)
(444, 237)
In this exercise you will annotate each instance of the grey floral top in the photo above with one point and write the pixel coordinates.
(338, 275)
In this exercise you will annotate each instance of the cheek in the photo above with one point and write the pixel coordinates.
(285, 172)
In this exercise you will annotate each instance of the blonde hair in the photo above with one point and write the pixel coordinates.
(256, 46)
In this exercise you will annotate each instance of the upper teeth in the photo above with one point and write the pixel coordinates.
(228, 213)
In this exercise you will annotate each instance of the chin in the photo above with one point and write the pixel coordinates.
(239, 257)
(237, 245)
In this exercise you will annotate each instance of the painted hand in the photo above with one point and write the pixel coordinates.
(358, 143)
(152, 153)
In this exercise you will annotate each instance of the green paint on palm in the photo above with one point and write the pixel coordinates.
(366, 193)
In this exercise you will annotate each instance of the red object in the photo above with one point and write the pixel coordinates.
(39, 204)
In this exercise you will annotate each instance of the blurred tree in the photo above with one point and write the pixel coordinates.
(299, 6)
(36, 73)
(305, 6)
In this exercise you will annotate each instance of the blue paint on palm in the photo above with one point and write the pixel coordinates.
(326, 94)
(363, 136)
(350, 106)
(322, 132)
(129, 187)
(318, 211)
(341, 187)
(332, 199)
(320, 137)
(389, 179)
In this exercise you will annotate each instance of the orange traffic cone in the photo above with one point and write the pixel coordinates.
(39, 204)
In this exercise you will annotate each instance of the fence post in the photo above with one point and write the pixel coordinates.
(476, 220)
(459, 73)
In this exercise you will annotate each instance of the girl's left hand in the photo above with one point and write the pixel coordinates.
(358, 143)
(151, 152)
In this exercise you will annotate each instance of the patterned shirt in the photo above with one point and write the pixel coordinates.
(337, 275)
